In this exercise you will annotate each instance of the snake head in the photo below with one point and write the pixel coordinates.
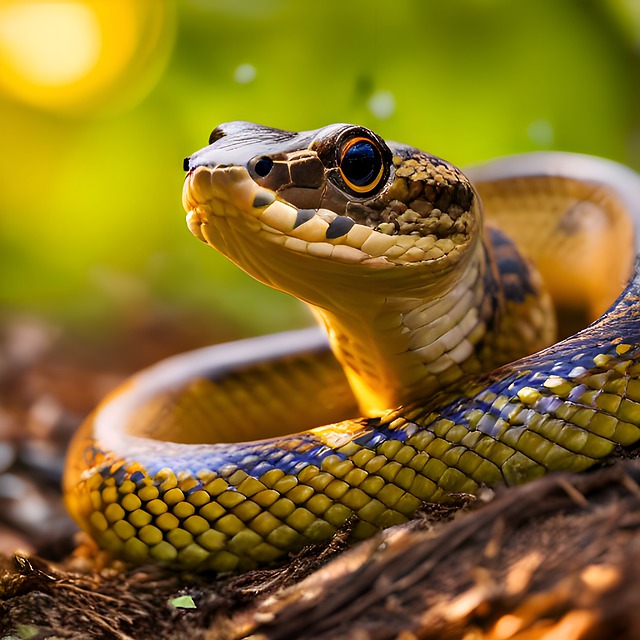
(338, 200)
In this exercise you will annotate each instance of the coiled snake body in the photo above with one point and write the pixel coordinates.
(430, 312)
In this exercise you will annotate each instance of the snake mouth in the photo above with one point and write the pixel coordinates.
(211, 195)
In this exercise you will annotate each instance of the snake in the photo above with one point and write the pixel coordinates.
(475, 329)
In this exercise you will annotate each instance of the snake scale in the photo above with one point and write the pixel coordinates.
(443, 376)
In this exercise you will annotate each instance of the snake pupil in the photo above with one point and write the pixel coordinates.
(361, 165)
(263, 167)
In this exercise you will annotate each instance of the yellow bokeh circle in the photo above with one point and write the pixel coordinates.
(83, 55)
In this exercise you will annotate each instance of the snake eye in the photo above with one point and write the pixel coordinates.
(263, 166)
(361, 165)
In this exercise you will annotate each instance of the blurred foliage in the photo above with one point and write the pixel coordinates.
(101, 99)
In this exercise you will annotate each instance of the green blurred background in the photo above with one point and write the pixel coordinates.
(100, 100)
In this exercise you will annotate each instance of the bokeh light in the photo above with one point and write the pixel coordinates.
(29, 37)
(76, 56)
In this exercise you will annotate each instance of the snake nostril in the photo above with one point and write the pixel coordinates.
(263, 166)
(185, 164)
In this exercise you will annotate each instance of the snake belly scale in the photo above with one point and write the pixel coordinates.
(443, 375)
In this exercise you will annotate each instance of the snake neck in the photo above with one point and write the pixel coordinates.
(403, 349)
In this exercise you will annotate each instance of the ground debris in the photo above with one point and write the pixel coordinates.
(532, 563)
(557, 558)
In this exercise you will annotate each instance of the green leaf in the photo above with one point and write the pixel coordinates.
(183, 602)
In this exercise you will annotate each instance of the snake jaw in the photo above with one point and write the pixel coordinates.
(214, 193)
